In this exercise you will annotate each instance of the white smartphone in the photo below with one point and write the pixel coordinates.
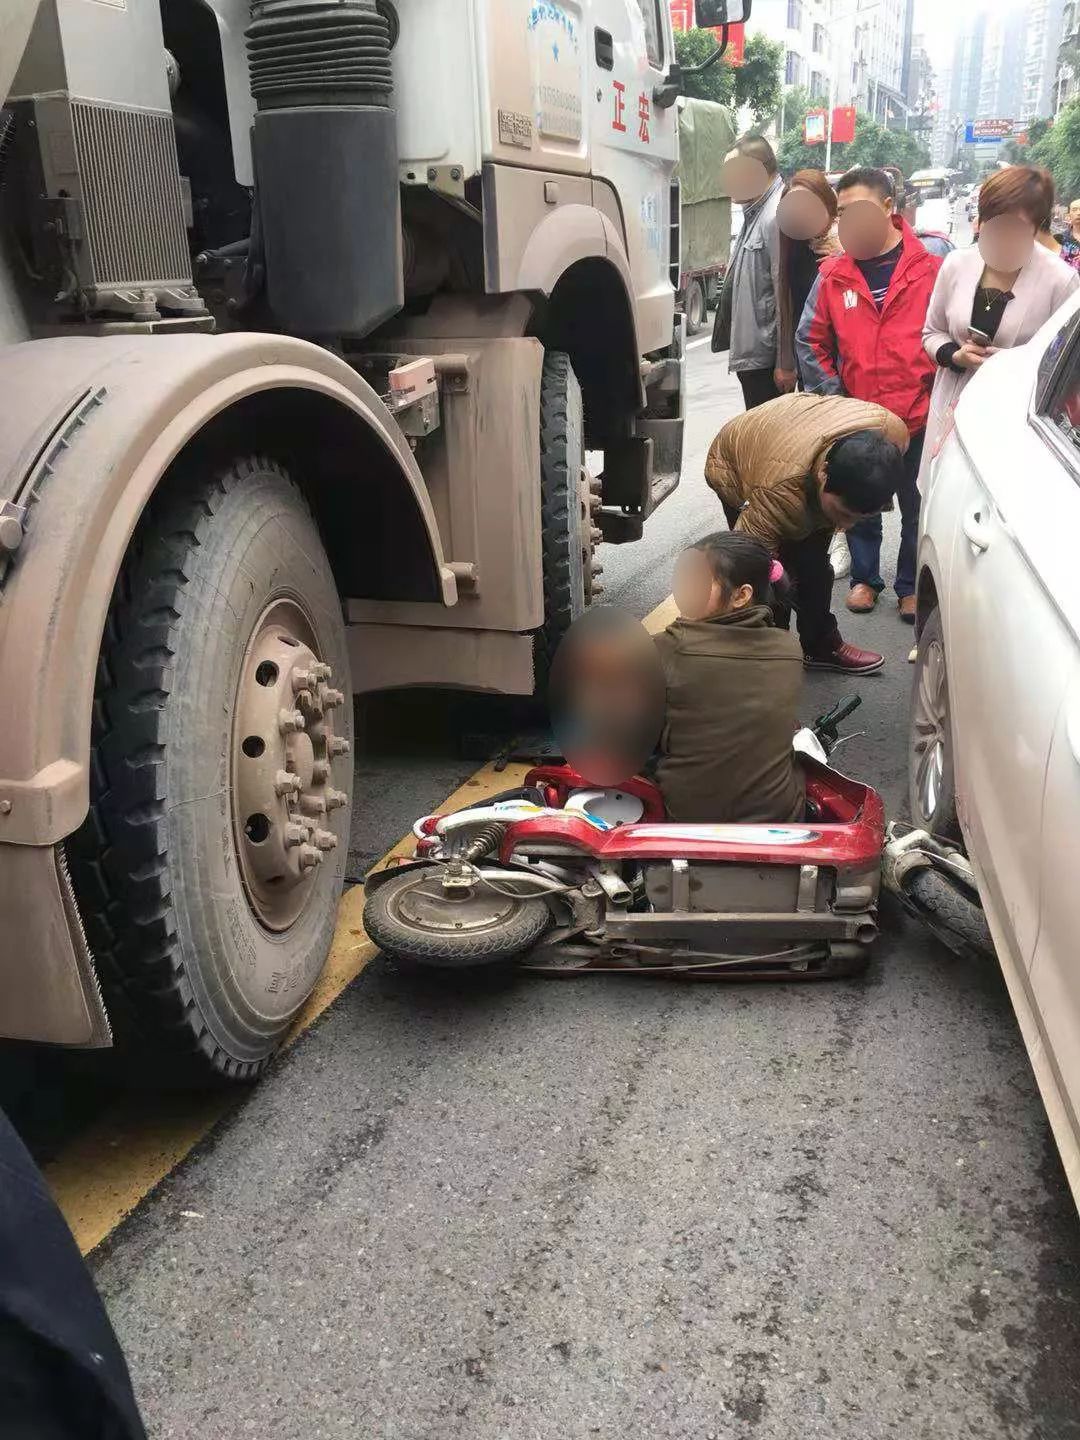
(977, 337)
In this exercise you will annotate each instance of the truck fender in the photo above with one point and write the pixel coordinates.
(94, 423)
(127, 407)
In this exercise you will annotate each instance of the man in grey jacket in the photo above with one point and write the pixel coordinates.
(746, 323)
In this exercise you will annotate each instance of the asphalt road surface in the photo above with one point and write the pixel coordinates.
(622, 1208)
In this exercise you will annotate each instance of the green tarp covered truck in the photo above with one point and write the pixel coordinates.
(706, 134)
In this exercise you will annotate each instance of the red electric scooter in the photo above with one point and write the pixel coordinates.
(564, 878)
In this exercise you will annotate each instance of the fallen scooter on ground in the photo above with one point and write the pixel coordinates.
(935, 883)
(564, 878)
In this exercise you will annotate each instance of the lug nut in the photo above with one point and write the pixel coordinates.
(321, 671)
(320, 772)
(335, 799)
(331, 699)
(312, 805)
(295, 835)
(325, 840)
(286, 784)
(596, 534)
(597, 569)
(339, 745)
(302, 680)
(289, 721)
(596, 485)
(309, 857)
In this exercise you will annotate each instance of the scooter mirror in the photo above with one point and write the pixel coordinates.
(607, 696)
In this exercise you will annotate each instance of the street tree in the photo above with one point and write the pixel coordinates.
(755, 83)
(1059, 150)
(874, 144)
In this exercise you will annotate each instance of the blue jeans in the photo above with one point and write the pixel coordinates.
(864, 539)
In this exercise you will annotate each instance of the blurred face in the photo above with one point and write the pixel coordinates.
(801, 215)
(866, 227)
(838, 513)
(1006, 241)
(1074, 213)
(745, 180)
(698, 593)
(606, 696)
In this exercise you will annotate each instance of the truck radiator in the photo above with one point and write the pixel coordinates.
(133, 210)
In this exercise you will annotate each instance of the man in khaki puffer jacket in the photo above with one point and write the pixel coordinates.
(792, 472)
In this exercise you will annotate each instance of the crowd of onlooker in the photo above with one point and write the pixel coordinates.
(832, 291)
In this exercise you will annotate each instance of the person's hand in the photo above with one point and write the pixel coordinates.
(785, 380)
(970, 356)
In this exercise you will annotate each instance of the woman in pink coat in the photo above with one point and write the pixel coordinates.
(994, 295)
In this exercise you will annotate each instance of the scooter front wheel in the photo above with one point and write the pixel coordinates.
(414, 918)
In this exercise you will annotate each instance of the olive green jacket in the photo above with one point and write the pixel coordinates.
(733, 688)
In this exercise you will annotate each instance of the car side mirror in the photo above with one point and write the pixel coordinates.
(722, 12)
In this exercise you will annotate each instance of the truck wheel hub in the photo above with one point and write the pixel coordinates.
(284, 747)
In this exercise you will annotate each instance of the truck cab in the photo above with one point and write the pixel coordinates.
(309, 313)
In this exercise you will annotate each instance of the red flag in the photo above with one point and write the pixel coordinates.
(682, 19)
(843, 124)
(735, 53)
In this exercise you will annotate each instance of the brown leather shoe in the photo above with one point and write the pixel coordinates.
(861, 599)
(907, 609)
(845, 659)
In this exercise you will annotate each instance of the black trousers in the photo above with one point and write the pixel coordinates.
(806, 564)
(758, 386)
(62, 1372)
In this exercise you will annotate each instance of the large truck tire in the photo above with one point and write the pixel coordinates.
(209, 868)
(565, 507)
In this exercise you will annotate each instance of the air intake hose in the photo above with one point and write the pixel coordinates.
(326, 169)
(318, 52)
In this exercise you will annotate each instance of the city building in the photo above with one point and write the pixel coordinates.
(967, 67)
(801, 27)
(1001, 90)
(943, 134)
(919, 86)
(1044, 21)
(1067, 78)
(864, 48)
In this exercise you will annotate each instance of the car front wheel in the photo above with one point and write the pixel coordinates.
(931, 775)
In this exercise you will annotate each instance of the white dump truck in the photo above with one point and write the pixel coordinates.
(309, 310)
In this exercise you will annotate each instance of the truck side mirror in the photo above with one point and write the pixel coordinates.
(722, 12)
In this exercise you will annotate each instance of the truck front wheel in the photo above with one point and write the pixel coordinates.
(566, 506)
(209, 868)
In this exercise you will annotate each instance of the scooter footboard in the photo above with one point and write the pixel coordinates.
(709, 929)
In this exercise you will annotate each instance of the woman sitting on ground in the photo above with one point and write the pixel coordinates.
(734, 683)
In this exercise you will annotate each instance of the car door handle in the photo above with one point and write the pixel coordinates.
(977, 533)
(605, 50)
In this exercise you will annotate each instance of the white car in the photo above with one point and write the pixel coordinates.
(936, 215)
(994, 745)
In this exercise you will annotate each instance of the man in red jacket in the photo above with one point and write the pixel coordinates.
(861, 335)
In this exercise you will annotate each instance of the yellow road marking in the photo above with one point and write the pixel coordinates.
(106, 1170)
